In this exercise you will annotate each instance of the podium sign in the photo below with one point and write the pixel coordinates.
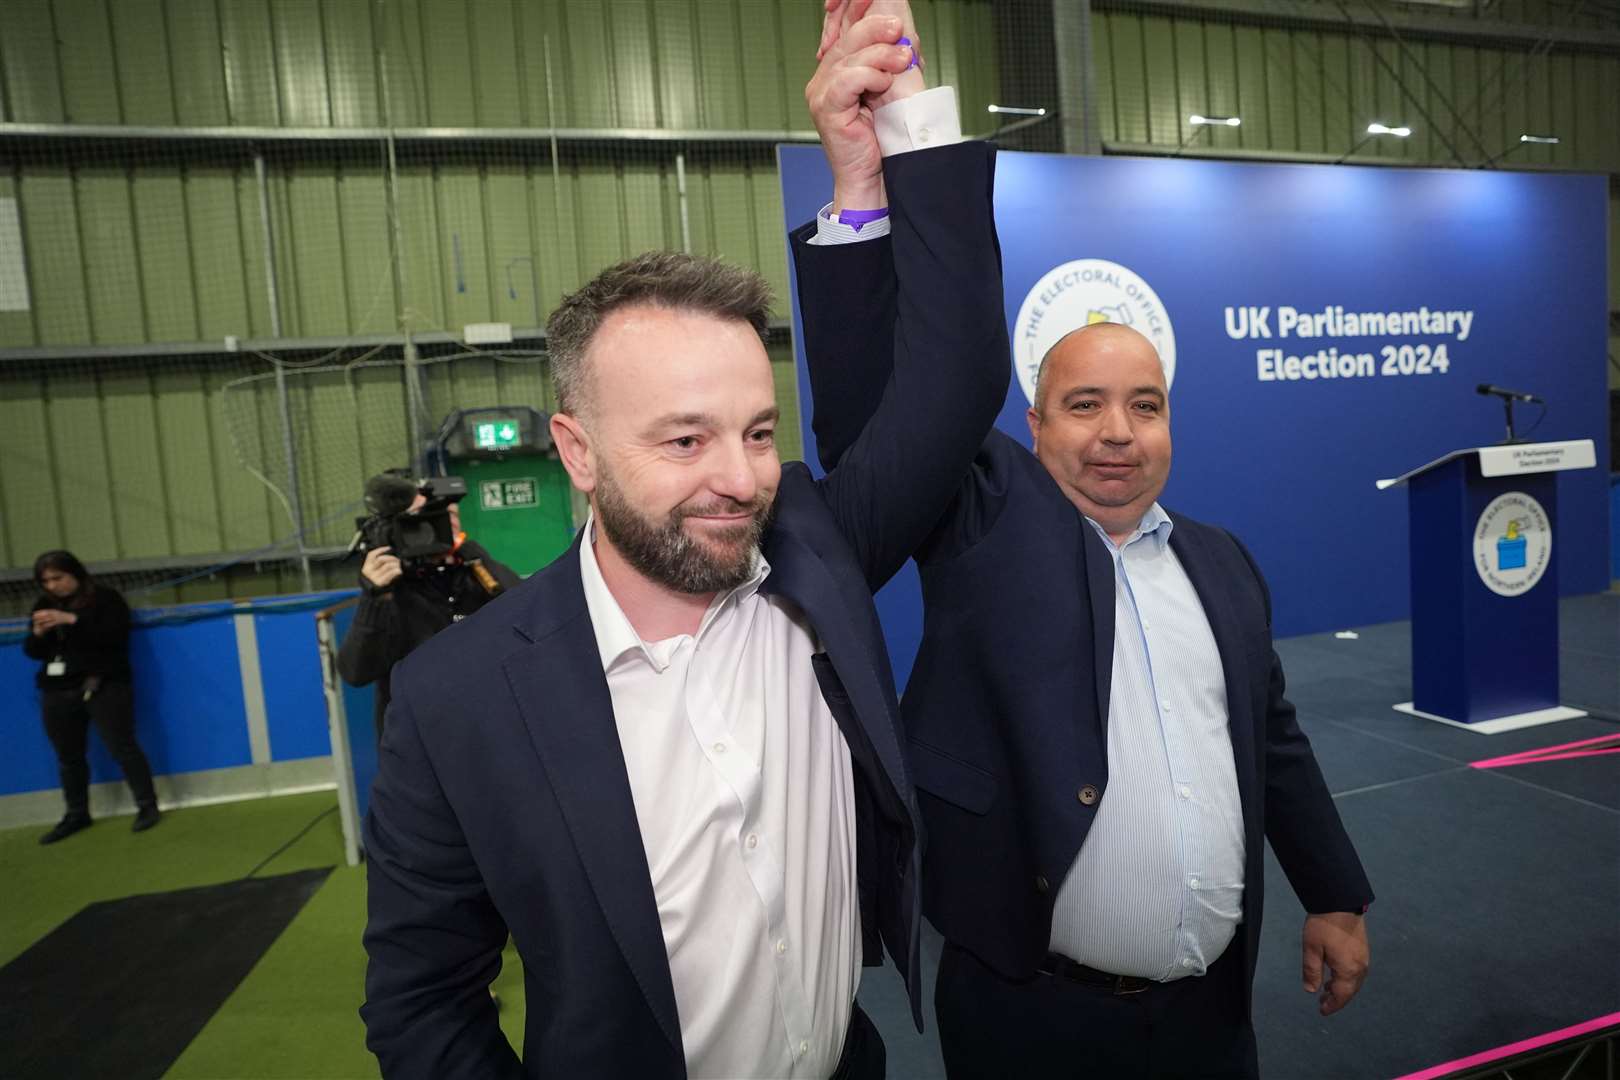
(1485, 585)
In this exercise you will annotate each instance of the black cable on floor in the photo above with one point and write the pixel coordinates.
(268, 859)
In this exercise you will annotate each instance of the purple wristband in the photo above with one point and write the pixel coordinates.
(856, 218)
(907, 43)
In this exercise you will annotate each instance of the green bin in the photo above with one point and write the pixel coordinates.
(518, 503)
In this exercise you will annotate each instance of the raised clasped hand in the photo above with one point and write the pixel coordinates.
(859, 64)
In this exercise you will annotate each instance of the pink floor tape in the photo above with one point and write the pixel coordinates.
(1561, 752)
(1522, 1046)
(1504, 762)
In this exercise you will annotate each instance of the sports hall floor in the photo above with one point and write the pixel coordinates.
(226, 943)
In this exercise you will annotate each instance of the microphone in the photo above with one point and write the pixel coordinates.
(389, 494)
(1504, 392)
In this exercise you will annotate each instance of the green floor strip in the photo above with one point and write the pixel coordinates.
(295, 1014)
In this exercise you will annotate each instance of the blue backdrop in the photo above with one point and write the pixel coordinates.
(1230, 266)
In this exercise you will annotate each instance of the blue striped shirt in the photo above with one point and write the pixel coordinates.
(1157, 889)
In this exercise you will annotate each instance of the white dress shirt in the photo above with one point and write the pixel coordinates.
(1157, 889)
(744, 793)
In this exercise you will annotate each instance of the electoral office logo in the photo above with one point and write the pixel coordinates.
(1512, 544)
(1078, 294)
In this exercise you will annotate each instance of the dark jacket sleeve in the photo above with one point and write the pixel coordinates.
(372, 644)
(471, 550)
(847, 298)
(34, 646)
(102, 627)
(1302, 823)
(948, 377)
(433, 937)
(503, 574)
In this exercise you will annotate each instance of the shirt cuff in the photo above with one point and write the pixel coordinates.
(922, 120)
(831, 231)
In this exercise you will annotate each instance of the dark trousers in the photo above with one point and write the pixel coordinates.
(1051, 1026)
(67, 723)
(864, 1056)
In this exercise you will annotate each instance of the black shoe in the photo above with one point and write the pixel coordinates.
(65, 828)
(145, 818)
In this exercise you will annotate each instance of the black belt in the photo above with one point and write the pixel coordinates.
(1119, 985)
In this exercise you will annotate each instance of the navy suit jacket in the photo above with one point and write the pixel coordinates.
(1007, 705)
(502, 803)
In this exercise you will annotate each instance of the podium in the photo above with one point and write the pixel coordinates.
(1485, 584)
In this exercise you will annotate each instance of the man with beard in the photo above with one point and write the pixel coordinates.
(669, 762)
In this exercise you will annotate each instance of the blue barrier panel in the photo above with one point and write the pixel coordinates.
(190, 709)
(1271, 290)
(189, 712)
(290, 669)
(28, 763)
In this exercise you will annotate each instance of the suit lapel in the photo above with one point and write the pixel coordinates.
(563, 697)
(798, 574)
(1099, 572)
(1199, 563)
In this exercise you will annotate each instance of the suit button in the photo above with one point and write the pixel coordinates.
(1041, 884)
(1088, 795)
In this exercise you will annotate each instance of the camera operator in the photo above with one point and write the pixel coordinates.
(421, 573)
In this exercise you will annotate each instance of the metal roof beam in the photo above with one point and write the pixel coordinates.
(122, 132)
(1301, 14)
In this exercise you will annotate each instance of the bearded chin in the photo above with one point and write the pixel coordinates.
(665, 553)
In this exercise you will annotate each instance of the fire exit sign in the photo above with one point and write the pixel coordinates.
(496, 434)
(512, 494)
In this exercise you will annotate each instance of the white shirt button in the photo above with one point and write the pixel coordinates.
(1193, 882)
(753, 840)
(719, 747)
(1165, 705)
(804, 1046)
(1146, 625)
(1186, 792)
(1186, 961)
(925, 134)
(781, 948)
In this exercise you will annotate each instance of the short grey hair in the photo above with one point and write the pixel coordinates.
(1040, 372)
(663, 279)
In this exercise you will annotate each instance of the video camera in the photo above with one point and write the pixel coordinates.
(414, 538)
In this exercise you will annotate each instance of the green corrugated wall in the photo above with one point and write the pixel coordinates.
(141, 243)
(1313, 91)
(146, 244)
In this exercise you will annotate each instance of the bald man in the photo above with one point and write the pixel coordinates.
(1097, 730)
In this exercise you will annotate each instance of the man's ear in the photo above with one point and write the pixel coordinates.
(574, 447)
(1033, 416)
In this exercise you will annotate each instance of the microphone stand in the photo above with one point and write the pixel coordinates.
(1512, 439)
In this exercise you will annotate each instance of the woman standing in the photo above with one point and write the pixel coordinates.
(81, 635)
